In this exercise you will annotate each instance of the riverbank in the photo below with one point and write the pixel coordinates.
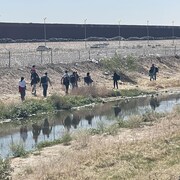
(144, 152)
(133, 71)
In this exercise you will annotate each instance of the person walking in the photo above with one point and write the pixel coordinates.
(34, 80)
(88, 80)
(65, 81)
(22, 88)
(72, 79)
(152, 72)
(116, 77)
(44, 82)
(77, 78)
(33, 69)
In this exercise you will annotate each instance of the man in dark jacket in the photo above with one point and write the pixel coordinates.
(88, 80)
(152, 72)
(34, 80)
(65, 80)
(44, 82)
(116, 77)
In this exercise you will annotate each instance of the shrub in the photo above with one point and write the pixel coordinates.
(5, 169)
(111, 64)
(18, 150)
(58, 102)
(131, 63)
(132, 92)
(66, 138)
(48, 143)
(25, 109)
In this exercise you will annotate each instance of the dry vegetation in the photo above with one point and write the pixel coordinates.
(140, 152)
(147, 152)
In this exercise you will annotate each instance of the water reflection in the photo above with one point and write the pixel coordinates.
(36, 130)
(46, 128)
(67, 123)
(23, 133)
(89, 118)
(154, 102)
(75, 120)
(54, 126)
(117, 110)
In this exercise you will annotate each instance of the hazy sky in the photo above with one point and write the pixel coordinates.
(135, 12)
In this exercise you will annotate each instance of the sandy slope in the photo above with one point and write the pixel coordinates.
(168, 77)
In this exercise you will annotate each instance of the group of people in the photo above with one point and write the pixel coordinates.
(152, 73)
(68, 80)
(44, 81)
(35, 79)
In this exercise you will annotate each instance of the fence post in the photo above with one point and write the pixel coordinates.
(165, 50)
(9, 55)
(174, 50)
(41, 57)
(79, 54)
(89, 54)
(51, 56)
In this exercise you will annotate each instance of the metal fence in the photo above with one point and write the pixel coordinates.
(27, 58)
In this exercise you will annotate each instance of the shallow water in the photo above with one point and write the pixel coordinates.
(48, 128)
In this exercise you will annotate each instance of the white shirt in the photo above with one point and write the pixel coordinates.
(22, 83)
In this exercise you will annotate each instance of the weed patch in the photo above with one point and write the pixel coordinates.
(5, 169)
(18, 150)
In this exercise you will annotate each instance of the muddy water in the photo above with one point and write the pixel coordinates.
(47, 128)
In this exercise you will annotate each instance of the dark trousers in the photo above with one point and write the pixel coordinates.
(115, 84)
(45, 87)
(67, 88)
(23, 93)
(152, 76)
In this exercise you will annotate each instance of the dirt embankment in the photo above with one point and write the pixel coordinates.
(168, 76)
(95, 157)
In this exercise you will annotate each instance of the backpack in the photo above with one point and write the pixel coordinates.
(34, 78)
(118, 77)
(66, 80)
(37, 78)
(44, 80)
(157, 69)
(72, 79)
(88, 80)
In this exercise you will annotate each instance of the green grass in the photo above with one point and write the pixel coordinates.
(35, 106)
(132, 92)
(24, 109)
(65, 140)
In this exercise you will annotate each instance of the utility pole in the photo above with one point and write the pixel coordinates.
(85, 33)
(119, 34)
(45, 31)
(173, 33)
(148, 32)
